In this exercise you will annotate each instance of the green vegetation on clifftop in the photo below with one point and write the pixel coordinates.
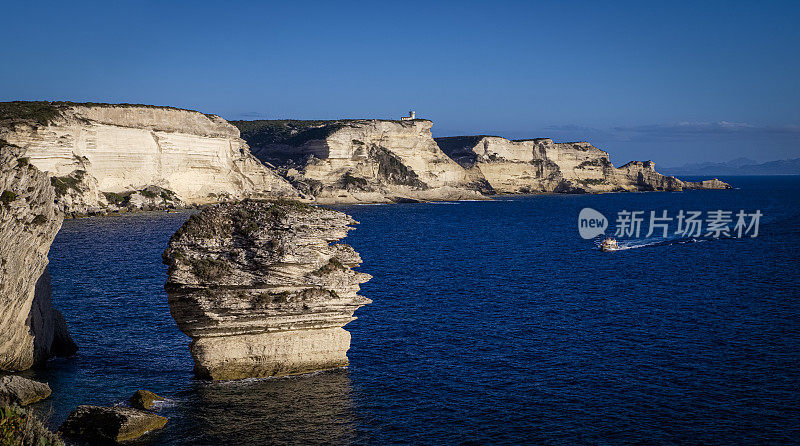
(287, 131)
(44, 112)
(40, 112)
(294, 132)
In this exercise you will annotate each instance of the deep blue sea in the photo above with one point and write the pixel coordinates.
(491, 323)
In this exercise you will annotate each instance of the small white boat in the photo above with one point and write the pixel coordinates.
(609, 244)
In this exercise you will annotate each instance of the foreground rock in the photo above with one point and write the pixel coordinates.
(144, 399)
(261, 289)
(100, 154)
(541, 165)
(16, 390)
(31, 330)
(109, 424)
(358, 161)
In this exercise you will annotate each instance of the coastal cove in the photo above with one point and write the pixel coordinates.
(256, 279)
(466, 339)
(445, 223)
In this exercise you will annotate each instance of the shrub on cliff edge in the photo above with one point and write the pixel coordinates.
(62, 185)
(40, 112)
(21, 427)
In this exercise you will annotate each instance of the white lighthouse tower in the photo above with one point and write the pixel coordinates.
(411, 116)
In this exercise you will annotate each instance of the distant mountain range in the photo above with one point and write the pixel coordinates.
(738, 166)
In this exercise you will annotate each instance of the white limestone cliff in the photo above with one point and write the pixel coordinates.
(105, 157)
(361, 160)
(541, 165)
(31, 330)
(263, 290)
(124, 148)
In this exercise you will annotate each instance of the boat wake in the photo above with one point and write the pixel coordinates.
(635, 244)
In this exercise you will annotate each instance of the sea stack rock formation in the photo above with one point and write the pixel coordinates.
(101, 154)
(541, 165)
(262, 290)
(31, 330)
(352, 161)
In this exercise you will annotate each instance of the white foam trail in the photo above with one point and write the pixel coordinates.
(166, 402)
(632, 244)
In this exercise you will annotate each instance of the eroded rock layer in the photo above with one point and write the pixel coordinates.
(361, 160)
(101, 154)
(31, 330)
(263, 290)
(541, 165)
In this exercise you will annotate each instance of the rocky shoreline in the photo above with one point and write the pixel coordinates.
(107, 158)
(257, 277)
(379, 161)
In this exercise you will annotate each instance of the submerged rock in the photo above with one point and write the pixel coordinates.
(144, 399)
(21, 391)
(262, 290)
(31, 330)
(109, 424)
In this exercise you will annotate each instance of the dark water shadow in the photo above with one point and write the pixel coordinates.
(308, 409)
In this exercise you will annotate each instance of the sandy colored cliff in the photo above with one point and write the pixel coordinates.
(262, 288)
(542, 165)
(101, 154)
(361, 160)
(31, 330)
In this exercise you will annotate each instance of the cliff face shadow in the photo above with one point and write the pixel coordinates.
(306, 409)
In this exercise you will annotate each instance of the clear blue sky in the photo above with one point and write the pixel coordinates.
(669, 81)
